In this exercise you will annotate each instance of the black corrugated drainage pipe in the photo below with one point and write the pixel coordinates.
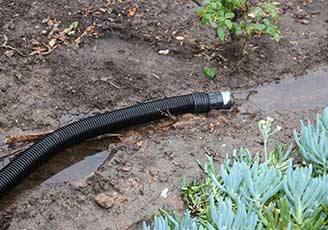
(18, 169)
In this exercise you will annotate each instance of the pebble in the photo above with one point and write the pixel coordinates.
(165, 193)
(104, 200)
(164, 52)
(9, 53)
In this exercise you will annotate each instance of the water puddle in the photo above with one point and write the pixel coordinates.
(303, 93)
(70, 165)
(79, 170)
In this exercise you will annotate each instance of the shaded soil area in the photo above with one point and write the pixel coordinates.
(111, 61)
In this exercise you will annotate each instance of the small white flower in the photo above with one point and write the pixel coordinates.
(270, 119)
(262, 122)
(279, 128)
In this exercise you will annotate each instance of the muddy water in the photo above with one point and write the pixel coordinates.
(80, 169)
(304, 93)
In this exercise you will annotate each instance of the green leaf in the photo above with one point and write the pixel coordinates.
(271, 9)
(257, 11)
(71, 33)
(220, 32)
(75, 24)
(205, 20)
(266, 21)
(228, 23)
(260, 27)
(276, 36)
(229, 15)
(199, 10)
(221, 13)
(210, 72)
(237, 28)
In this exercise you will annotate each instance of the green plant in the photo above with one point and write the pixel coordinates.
(168, 222)
(249, 194)
(265, 128)
(225, 216)
(244, 19)
(312, 143)
(210, 73)
(305, 194)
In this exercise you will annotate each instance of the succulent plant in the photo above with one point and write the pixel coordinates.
(223, 216)
(255, 184)
(305, 194)
(261, 183)
(248, 194)
(173, 222)
(312, 143)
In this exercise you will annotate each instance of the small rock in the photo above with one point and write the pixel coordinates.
(165, 193)
(11, 25)
(104, 200)
(139, 144)
(164, 52)
(305, 21)
(126, 168)
(10, 53)
(18, 76)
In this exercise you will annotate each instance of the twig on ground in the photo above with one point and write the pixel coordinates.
(15, 152)
(44, 53)
(37, 136)
(113, 84)
(169, 115)
(108, 135)
(197, 2)
(5, 45)
(49, 49)
(155, 76)
(25, 137)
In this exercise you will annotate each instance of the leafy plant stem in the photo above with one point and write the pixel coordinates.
(265, 141)
(262, 218)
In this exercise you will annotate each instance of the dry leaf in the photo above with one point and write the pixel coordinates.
(78, 41)
(251, 15)
(133, 11)
(67, 30)
(52, 42)
(90, 29)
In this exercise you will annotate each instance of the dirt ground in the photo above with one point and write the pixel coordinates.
(117, 63)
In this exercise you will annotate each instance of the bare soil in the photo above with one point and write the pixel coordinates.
(117, 64)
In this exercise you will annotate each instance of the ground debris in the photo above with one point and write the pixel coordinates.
(164, 52)
(104, 200)
(5, 45)
(10, 139)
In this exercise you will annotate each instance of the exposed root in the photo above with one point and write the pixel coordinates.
(43, 51)
(6, 46)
